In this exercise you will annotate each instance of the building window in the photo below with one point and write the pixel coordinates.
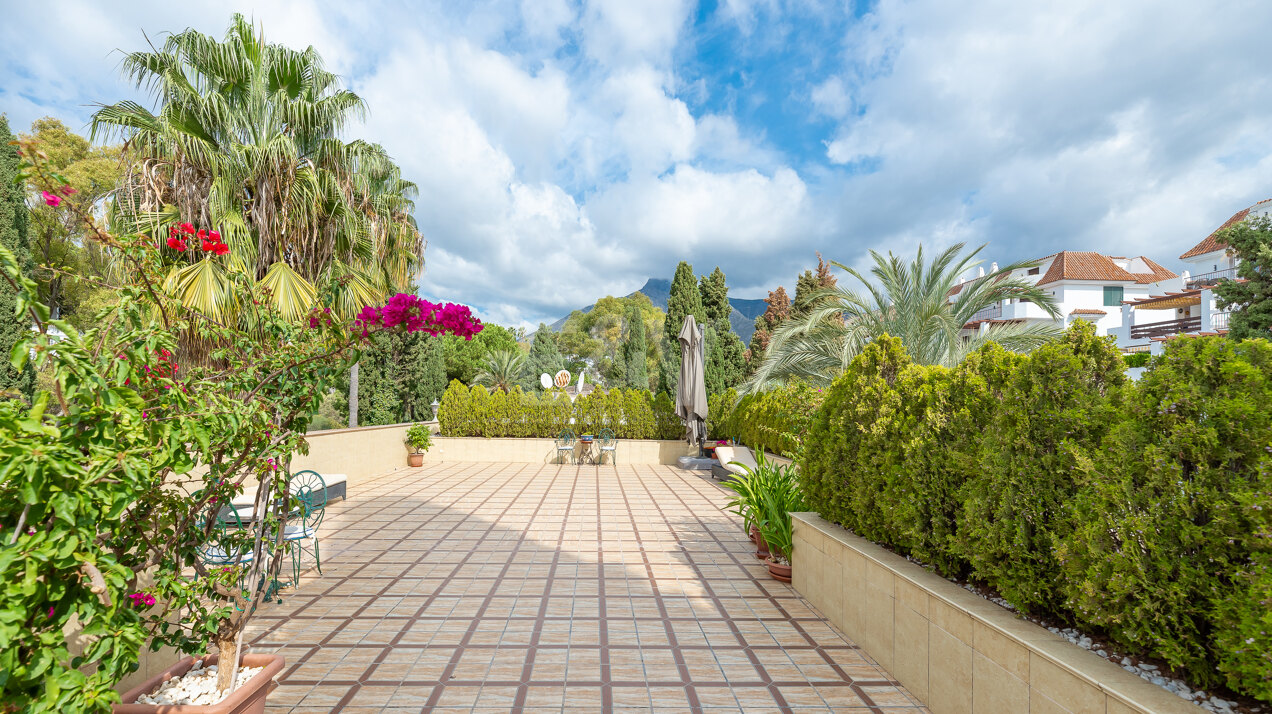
(1032, 271)
(1112, 295)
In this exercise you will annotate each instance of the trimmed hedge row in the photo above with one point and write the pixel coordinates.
(629, 413)
(1140, 509)
(775, 421)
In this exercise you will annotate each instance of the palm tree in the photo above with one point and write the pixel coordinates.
(246, 141)
(916, 303)
(502, 369)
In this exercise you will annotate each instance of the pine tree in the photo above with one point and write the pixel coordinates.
(779, 310)
(634, 350)
(545, 358)
(13, 235)
(715, 296)
(809, 284)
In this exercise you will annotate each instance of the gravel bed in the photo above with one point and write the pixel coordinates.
(198, 686)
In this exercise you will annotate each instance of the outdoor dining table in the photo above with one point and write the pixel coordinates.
(586, 454)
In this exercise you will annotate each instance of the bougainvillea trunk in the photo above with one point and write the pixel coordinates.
(227, 663)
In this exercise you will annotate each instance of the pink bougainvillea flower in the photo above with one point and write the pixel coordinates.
(176, 243)
(142, 599)
(51, 198)
(67, 190)
(51, 609)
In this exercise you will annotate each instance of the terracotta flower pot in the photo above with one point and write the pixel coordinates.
(761, 547)
(249, 698)
(415, 460)
(754, 534)
(778, 571)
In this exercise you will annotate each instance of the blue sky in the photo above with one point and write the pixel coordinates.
(570, 149)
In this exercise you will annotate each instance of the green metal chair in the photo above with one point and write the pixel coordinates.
(224, 544)
(307, 493)
(609, 445)
(564, 444)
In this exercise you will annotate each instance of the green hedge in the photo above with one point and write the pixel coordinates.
(774, 421)
(629, 413)
(1139, 509)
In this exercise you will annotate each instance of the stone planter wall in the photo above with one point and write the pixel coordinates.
(369, 451)
(956, 651)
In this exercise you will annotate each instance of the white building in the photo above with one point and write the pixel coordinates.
(1186, 305)
(1086, 285)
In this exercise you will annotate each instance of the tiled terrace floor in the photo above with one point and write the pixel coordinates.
(513, 587)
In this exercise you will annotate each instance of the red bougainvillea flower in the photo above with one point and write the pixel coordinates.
(214, 235)
(176, 243)
(188, 228)
(67, 190)
(51, 198)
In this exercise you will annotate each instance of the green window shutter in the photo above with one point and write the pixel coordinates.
(1112, 295)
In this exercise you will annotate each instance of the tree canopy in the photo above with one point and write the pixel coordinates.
(13, 235)
(1251, 299)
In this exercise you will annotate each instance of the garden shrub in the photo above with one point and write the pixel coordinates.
(629, 413)
(1143, 510)
(1137, 359)
(719, 408)
(773, 421)
(1058, 406)
(666, 424)
(1175, 509)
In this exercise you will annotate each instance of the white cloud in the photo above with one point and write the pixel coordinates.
(621, 32)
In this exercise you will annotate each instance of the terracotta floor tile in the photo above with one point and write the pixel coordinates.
(479, 587)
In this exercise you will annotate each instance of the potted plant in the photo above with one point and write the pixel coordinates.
(418, 438)
(750, 487)
(121, 526)
(778, 496)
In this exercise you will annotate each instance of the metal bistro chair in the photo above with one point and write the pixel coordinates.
(223, 546)
(308, 494)
(609, 445)
(564, 444)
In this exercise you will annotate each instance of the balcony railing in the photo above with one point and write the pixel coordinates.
(993, 312)
(1219, 321)
(1165, 329)
(1206, 280)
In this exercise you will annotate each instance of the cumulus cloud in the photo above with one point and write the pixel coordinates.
(568, 149)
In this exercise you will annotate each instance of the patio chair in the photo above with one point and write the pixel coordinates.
(565, 444)
(609, 445)
(308, 493)
(222, 547)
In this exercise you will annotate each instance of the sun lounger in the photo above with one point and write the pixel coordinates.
(732, 461)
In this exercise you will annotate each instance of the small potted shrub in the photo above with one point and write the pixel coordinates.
(418, 438)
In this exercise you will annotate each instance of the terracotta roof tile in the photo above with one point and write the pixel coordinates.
(1084, 265)
(1159, 273)
(1210, 244)
(1087, 311)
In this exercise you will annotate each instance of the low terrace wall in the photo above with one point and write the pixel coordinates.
(369, 451)
(956, 651)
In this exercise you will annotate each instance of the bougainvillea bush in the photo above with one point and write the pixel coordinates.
(113, 482)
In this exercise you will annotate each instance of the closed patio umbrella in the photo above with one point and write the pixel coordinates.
(691, 393)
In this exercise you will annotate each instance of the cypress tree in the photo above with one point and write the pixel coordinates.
(544, 358)
(715, 297)
(685, 299)
(13, 235)
(634, 350)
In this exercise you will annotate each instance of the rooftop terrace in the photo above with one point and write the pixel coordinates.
(471, 587)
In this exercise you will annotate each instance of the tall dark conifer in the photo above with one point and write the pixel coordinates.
(13, 235)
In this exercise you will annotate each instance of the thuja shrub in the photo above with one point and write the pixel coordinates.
(851, 457)
(1017, 506)
(944, 419)
(774, 421)
(1171, 545)
(464, 411)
